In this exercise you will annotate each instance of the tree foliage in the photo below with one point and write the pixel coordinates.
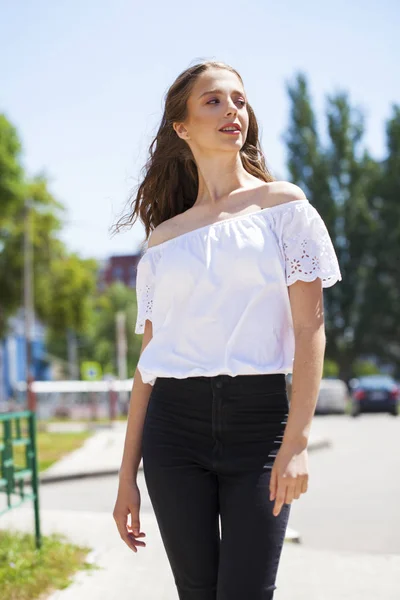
(357, 196)
(100, 342)
(63, 282)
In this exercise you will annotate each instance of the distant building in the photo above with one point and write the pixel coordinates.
(119, 268)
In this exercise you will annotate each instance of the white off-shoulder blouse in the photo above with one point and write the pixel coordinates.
(217, 296)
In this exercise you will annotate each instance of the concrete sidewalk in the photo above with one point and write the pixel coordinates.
(304, 573)
(101, 454)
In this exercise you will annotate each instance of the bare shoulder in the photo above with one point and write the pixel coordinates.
(281, 192)
(163, 232)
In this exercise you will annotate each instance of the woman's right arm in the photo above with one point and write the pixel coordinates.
(140, 392)
(128, 499)
(139, 400)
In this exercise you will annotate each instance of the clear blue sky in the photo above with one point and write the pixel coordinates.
(84, 81)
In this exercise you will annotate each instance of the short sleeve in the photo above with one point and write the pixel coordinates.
(306, 245)
(145, 282)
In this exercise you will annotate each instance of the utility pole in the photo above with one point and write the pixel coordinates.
(122, 348)
(28, 303)
(72, 345)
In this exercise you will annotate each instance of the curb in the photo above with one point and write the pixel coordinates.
(44, 479)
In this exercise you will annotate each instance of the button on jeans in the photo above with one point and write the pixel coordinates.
(209, 444)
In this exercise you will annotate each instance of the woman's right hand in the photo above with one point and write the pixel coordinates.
(128, 503)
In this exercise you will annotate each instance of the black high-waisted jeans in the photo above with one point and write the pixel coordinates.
(209, 444)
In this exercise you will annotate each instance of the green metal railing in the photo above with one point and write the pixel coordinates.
(18, 429)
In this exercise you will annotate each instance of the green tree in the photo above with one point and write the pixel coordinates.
(11, 203)
(381, 324)
(11, 174)
(63, 282)
(99, 343)
(344, 183)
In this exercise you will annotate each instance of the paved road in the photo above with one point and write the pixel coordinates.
(353, 500)
(353, 497)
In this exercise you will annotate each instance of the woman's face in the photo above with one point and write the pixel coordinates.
(217, 99)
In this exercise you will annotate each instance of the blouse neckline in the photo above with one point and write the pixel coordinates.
(222, 221)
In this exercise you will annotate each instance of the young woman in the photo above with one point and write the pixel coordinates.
(230, 300)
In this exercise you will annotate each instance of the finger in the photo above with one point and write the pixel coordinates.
(290, 493)
(304, 485)
(272, 485)
(280, 499)
(129, 541)
(140, 534)
(135, 521)
(120, 521)
(135, 537)
(124, 533)
(138, 543)
(133, 525)
(297, 490)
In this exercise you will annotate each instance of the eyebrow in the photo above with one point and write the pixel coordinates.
(219, 92)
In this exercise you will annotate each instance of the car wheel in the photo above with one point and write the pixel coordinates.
(394, 412)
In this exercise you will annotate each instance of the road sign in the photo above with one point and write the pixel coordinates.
(91, 371)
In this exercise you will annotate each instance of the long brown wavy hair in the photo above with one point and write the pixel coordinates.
(170, 178)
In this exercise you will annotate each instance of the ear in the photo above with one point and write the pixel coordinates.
(181, 131)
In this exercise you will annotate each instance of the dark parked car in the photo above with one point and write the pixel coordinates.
(374, 393)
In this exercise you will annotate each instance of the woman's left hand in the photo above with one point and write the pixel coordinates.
(289, 477)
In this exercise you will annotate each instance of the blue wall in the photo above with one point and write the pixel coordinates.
(13, 360)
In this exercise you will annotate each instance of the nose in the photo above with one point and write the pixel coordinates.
(231, 108)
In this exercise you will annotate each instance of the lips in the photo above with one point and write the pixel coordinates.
(234, 125)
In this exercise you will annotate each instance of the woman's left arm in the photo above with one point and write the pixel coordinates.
(289, 477)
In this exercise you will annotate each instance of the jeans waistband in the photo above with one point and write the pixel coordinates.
(257, 376)
(258, 381)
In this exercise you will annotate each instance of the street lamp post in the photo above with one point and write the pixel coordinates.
(122, 347)
(28, 302)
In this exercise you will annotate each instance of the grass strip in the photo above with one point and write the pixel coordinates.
(27, 573)
(51, 447)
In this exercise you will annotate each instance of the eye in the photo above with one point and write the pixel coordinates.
(242, 102)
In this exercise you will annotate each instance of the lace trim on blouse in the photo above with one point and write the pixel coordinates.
(147, 302)
(145, 290)
(308, 249)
